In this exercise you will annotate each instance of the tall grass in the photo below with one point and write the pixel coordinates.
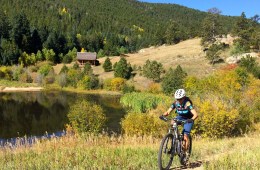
(123, 152)
(142, 102)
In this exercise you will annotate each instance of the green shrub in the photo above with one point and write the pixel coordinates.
(73, 77)
(142, 124)
(152, 70)
(25, 78)
(88, 82)
(64, 69)
(17, 71)
(45, 69)
(128, 89)
(62, 79)
(86, 117)
(50, 78)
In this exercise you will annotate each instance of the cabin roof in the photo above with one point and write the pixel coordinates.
(86, 56)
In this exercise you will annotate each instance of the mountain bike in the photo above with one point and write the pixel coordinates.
(173, 144)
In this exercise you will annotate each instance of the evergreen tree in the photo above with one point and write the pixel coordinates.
(36, 43)
(213, 53)
(244, 31)
(173, 34)
(173, 80)
(152, 70)
(87, 69)
(211, 27)
(122, 69)
(21, 33)
(107, 65)
(9, 52)
(5, 26)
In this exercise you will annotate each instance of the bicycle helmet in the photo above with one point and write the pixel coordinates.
(180, 93)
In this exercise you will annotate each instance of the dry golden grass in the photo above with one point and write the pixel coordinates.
(188, 54)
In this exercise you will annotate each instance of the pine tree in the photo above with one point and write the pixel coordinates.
(107, 65)
(245, 31)
(21, 33)
(4, 26)
(122, 69)
(173, 80)
(211, 27)
(173, 35)
(152, 70)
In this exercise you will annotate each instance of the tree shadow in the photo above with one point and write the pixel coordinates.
(191, 165)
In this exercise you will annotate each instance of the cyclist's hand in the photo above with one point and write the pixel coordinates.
(190, 121)
(162, 117)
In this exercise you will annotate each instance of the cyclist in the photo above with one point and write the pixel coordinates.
(185, 111)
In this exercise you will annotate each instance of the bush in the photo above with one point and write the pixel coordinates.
(115, 84)
(88, 82)
(17, 71)
(64, 69)
(142, 124)
(25, 77)
(50, 78)
(5, 73)
(154, 88)
(73, 77)
(45, 69)
(86, 117)
(62, 79)
(216, 117)
(153, 70)
(128, 89)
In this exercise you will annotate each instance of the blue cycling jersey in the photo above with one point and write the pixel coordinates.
(184, 109)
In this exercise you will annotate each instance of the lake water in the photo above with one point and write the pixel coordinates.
(41, 113)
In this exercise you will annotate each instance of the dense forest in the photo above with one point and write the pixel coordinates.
(102, 26)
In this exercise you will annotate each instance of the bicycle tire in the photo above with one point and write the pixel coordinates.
(167, 151)
(184, 159)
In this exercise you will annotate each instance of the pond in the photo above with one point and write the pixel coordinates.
(40, 113)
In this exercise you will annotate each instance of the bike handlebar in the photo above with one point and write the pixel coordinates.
(176, 120)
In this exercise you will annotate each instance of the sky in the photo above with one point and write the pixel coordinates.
(227, 7)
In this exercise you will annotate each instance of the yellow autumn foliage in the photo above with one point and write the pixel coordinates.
(114, 84)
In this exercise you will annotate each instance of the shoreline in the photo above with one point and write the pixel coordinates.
(20, 89)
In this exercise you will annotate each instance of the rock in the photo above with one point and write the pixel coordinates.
(236, 58)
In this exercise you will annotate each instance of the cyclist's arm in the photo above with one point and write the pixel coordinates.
(168, 111)
(194, 113)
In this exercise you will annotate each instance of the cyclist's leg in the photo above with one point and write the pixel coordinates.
(186, 129)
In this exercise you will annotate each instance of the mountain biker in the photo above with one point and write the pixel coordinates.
(185, 111)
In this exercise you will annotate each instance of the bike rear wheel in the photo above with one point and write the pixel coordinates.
(184, 158)
(166, 152)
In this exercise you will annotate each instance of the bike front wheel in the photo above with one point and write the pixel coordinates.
(166, 152)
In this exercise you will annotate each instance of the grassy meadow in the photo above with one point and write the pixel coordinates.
(124, 152)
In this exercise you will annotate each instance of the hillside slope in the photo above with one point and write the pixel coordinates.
(188, 54)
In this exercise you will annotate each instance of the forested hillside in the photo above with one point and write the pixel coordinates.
(102, 26)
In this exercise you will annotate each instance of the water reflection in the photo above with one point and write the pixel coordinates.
(35, 113)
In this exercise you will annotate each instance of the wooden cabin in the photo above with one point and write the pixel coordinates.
(84, 57)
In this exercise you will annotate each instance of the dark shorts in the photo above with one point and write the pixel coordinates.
(187, 126)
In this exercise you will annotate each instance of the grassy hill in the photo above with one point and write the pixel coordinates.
(188, 54)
